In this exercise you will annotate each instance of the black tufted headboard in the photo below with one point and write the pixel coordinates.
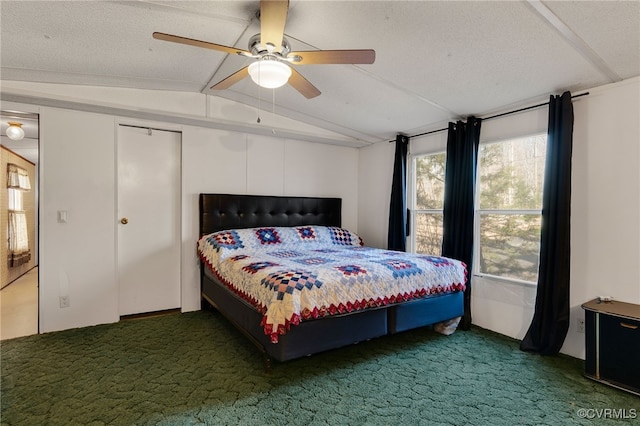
(228, 211)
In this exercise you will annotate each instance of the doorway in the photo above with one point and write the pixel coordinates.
(19, 159)
(149, 219)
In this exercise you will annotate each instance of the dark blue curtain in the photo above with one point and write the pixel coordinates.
(459, 191)
(550, 322)
(398, 217)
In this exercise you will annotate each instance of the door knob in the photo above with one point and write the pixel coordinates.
(124, 221)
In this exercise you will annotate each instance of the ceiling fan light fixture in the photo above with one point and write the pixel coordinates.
(270, 74)
(15, 131)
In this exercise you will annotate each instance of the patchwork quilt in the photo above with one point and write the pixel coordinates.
(295, 273)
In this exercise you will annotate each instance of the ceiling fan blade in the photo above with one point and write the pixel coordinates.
(199, 43)
(273, 17)
(364, 56)
(303, 85)
(232, 79)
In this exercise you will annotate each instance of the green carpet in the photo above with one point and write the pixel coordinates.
(195, 369)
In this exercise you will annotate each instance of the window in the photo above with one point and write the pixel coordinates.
(15, 199)
(428, 196)
(509, 208)
(17, 232)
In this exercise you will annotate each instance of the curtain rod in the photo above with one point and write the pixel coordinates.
(496, 116)
(149, 128)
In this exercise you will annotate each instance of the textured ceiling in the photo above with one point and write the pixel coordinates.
(435, 60)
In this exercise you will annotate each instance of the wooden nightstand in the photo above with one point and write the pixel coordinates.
(612, 343)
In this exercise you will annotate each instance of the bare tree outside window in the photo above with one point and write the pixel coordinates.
(509, 213)
(429, 185)
(508, 206)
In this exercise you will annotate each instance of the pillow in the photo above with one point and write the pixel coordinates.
(267, 237)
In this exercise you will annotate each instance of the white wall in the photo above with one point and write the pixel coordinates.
(226, 162)
(374, 193)
(78, 172)
(605, 222)
(77, 175)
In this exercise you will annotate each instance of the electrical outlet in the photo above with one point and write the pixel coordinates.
(64, 302)
(580, 325)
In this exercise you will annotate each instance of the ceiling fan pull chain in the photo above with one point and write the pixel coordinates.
(259, 97)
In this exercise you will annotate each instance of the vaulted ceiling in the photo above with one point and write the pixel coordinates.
(435, 60)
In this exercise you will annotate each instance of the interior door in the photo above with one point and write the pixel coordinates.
(148, 220)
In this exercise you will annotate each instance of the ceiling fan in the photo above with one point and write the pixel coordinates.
(273, 54)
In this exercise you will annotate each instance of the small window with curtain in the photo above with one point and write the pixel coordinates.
(509, 208)
(428, 196)
(18, 237)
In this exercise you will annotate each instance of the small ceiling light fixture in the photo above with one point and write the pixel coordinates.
(269, 73)
(14, 131)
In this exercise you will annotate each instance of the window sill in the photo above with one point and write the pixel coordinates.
(507, 280)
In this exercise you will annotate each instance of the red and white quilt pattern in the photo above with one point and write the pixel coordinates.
(295, 273)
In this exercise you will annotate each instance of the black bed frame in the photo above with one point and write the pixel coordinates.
(226, 211)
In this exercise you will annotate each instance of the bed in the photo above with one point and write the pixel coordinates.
(293, 247)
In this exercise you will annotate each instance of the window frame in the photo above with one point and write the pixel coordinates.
(478, 212)
(412, 192)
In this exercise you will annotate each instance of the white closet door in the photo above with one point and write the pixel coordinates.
(148, 220)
